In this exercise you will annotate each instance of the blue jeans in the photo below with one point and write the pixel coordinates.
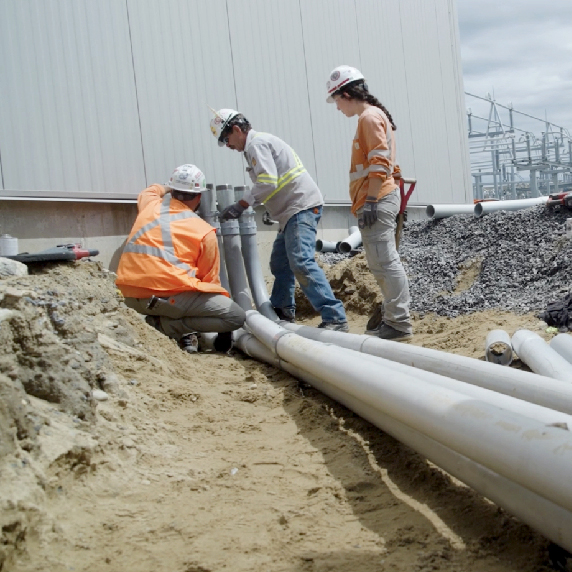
(293, 259)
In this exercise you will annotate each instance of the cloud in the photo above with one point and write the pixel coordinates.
(521, 50)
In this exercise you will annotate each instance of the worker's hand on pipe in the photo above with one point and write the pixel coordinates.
(232, 212)
(370, 211)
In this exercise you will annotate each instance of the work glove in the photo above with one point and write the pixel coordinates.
(267, 219)
(369, 213)
(232, 212)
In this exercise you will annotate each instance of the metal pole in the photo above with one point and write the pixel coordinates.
(533, 184)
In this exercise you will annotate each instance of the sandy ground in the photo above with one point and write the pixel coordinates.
(213, 462)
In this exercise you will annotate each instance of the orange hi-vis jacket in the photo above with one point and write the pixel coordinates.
(373, 155)
(170, 250)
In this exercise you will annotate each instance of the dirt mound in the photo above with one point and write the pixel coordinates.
(214, 462)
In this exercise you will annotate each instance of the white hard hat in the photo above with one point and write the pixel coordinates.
(187, 178)
(340, 76)
(220, 121)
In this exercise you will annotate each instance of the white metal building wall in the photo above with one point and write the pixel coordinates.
(109, 96)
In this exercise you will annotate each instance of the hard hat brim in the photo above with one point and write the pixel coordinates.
(330, 99)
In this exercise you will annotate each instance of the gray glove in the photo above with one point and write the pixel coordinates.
(232, 212)
(370, 211)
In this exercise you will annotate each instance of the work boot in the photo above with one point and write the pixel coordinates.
(374, 322)
(286, 314)
(335, 326)
(386, 332)
(189, 343)
(223, 342)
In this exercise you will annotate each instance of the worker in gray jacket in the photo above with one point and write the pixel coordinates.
(286, 189)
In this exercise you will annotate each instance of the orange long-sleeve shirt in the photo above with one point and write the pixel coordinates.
(373, 155)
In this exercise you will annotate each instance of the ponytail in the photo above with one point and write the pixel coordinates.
(359, 91)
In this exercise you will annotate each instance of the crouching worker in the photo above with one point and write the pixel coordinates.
(169, 269)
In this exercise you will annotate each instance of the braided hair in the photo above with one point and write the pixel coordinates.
(359, 90)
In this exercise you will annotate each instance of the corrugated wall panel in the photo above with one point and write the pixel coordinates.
(183, 62)
(269, 67)
(330, 39)
(68, 119)
(382, 34)
(433, 111)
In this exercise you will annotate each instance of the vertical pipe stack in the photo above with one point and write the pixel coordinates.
(247, 229)
(232, 252)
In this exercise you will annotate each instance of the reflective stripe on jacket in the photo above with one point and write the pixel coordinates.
(170, 250)
(373, 155)
(280, 181)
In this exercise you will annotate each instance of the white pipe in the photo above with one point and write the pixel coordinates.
(540, 357)
(562, 345)
(530, 387)
(498, 348)
(518, 448)
(548, 518)
(233, 255)
(443, 211)
(531, 410)
(351, 242)
(325, 246)
(486, 207)
(247, 229)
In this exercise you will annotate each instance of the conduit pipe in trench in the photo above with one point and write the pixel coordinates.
(232, 252)
(530, 387)
(443, 211)
(483, 208)
(208, 212)
(562, 345)
(247, 229)
(540, 357)
(548, 518)
(515, 447)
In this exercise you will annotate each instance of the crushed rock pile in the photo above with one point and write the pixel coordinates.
(516, 261)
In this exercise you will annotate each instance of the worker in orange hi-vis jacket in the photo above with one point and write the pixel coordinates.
(169, 269)
(375, 195)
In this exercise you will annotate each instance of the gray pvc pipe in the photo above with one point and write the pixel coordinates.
(498, 348)
(443, 211)
(247, 229)
(351, 242)
(233, 253)
(540, 357)
(208, 212)
(486, 207)
(548, 518)
(541, 390)
(325, 246)
(562, 345)
(515, 447)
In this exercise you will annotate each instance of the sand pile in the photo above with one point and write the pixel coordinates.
(213, 462)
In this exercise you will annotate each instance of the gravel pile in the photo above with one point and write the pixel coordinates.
(517, 261)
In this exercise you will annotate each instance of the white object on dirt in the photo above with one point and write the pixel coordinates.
(8, 245)
(562, 345)
(498, 348)
(540, 357)
(99, 395)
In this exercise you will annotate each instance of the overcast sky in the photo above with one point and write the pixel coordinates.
(520, 51)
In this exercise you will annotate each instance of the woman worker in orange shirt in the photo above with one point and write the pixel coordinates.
(375, 195)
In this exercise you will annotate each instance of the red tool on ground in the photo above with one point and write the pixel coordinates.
(60, 252)
(560, 200)
(404, 200)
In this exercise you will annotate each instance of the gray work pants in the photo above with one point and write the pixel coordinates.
(192, 312)
(385, 265)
